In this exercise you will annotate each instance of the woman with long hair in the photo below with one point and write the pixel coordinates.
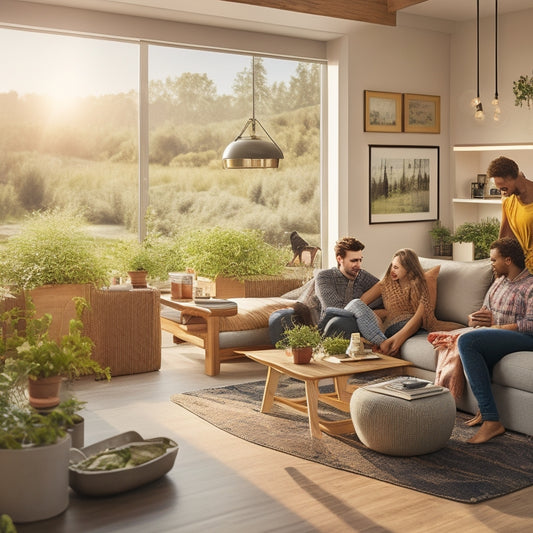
(406, 302)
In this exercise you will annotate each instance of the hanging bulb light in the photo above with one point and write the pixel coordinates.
(252, 151)
(476, 102)
(495, 101)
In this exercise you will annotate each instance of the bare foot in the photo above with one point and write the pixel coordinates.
(488, 430)
(475, 421)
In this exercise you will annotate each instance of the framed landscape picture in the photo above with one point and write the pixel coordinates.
(404, 183)
(421, 113)
(383, 111)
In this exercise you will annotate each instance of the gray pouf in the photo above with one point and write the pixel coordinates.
(395, 426)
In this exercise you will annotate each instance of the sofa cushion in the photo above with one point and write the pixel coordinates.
(420, 352)
(461, 287)
(431, 279)
(515, 370)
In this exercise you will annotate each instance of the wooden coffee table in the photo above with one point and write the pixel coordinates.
(311, 374)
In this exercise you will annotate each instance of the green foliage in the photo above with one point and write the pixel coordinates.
(523, 91)
(300, 336)
(441, 234)
(232, 253)
(30, 351)
(6, 524)
(52, 248)
(335, 345)
(482, 234)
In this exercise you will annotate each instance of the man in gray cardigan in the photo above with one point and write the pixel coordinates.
(323, 299)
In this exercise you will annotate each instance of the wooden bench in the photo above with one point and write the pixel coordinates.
(221, 330)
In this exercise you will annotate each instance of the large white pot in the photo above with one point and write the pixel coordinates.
(34, 481)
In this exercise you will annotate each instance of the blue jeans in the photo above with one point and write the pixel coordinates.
(480, 350)
(335, 322)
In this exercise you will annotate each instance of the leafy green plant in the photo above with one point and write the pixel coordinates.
(21, 425)
(442, 239)
(335, 345)
(300, 336)
(30, 351)
(52, 248)
(482, 234)
(232, 253)
(523, 91)
(156, 254)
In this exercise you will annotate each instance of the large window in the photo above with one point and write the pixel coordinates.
(69, 136)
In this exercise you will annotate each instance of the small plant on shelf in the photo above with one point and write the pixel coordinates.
(442, 239)
(482, 234)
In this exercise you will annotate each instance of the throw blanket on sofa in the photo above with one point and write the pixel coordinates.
(449, 371)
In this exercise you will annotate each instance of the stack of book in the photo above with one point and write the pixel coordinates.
(406, 387)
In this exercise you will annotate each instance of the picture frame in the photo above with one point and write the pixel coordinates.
(421, 113)
(383, 112)
(403, 183)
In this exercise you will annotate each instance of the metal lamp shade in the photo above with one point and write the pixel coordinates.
(251, 152)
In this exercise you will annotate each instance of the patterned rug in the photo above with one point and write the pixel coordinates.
(461, 472)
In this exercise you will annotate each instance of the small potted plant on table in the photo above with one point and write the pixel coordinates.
(300, 341)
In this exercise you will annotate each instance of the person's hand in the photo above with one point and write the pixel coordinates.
(390, 346)
(481, 318)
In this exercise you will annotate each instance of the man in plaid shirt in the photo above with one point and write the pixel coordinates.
(505, 324)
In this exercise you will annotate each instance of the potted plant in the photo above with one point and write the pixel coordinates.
(53, 260)
(336, 345)
(300, 341)
(523, 91)
(441, 239)
(482, 234)
(31, 351)
(156, 256)
(240, 262)
(34, 453)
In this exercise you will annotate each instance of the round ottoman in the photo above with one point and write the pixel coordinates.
(395, 426)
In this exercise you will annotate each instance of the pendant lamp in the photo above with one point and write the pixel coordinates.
(252, 151)
(476, 102)
(495, 101)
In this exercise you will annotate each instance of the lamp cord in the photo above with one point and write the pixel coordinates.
(477, 44)
(495, 49)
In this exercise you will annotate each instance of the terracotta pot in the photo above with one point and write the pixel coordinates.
(302, 356)
(44, 392)
(138, 279)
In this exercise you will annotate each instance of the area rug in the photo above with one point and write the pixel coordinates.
(461, 472)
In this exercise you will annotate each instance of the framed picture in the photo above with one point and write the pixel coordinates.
(404, 183)
(383, 111)
(421, 113)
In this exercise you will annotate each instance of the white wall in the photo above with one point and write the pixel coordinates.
(402, 60)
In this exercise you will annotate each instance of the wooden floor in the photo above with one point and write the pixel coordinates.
(223, 484)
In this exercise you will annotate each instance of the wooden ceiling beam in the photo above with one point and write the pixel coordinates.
(396, 5)
(374, 11)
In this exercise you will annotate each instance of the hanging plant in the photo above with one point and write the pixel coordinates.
(523, 91)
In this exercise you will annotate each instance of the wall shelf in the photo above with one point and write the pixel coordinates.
(481, 201)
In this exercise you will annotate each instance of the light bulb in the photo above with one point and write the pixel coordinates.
(475, 101)
(479, 114)
(497, 110)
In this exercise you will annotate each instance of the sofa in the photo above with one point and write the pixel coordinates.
(461, 287)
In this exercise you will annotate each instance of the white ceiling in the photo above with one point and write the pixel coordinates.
(255, 18)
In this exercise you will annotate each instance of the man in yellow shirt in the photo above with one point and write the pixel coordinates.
(517, 205)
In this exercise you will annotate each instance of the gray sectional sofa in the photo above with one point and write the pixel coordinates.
(461, 287)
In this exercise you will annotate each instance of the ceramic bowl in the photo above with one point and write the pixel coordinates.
(108, 482)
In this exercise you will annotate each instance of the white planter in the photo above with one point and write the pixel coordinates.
(34, 481)
(463, 251)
